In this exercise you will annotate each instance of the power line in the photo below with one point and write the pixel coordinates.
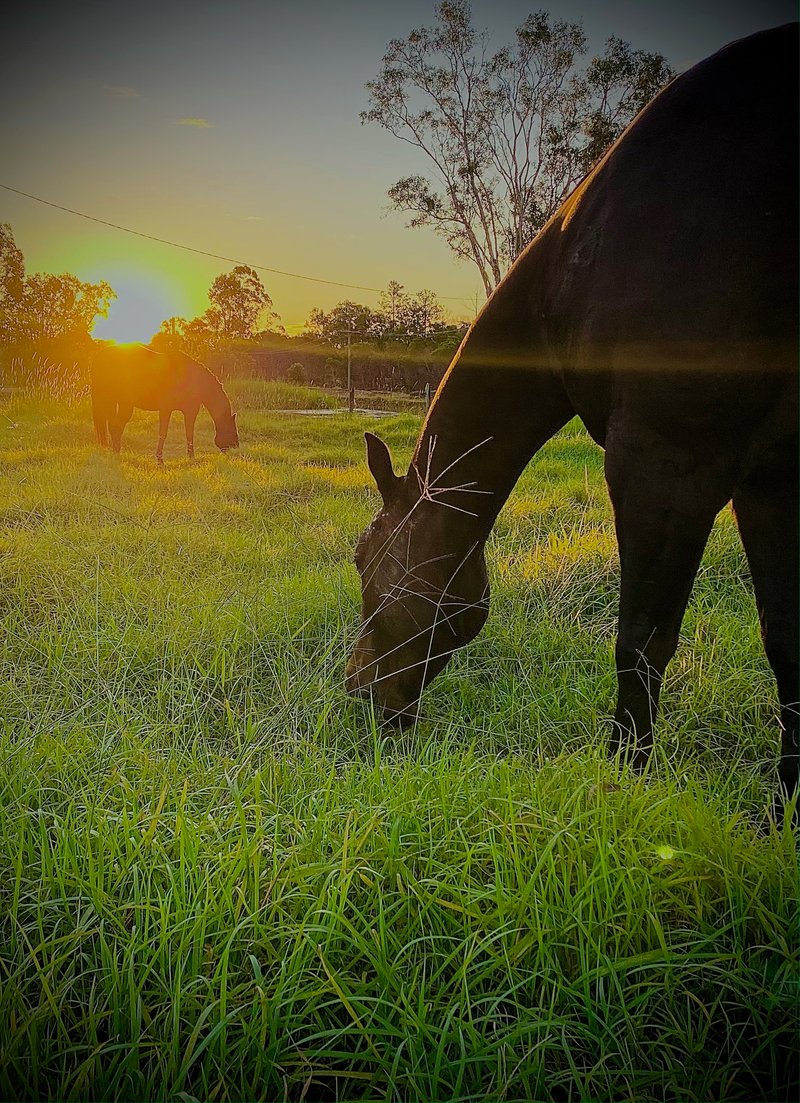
(205, 253)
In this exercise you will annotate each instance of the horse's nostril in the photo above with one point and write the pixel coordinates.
(350, 677)
(399, 718)
(355, 681)
(353, 686)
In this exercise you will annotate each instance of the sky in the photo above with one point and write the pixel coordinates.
(233, 127)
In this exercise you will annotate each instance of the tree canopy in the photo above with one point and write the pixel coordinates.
(239, 303)
(507, 134)
(42, 306)
(399, 317)
(12, 267)
(238, 300)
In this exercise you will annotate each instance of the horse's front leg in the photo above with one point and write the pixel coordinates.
(163, 428)
(189, 418)
(664, 509)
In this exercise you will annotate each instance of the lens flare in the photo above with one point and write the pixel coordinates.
(137, 312)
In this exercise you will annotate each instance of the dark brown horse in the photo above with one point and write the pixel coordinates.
(659, 305)
(124, 376)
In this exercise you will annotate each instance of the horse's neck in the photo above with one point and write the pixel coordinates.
(500, 400)
(214, 398)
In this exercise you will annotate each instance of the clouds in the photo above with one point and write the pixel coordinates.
(128, 92)
(123, 92)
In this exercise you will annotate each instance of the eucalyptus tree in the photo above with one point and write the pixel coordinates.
(506, 134)
(238, 300)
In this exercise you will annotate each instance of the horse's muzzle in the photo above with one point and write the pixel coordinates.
(360, 681)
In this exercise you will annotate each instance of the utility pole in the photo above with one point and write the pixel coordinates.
(350, 389)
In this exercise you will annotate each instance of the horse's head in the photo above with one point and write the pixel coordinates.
(424, 590)
(227, 435)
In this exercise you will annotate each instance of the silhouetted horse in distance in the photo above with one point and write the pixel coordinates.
(124, 376)
(659, 304)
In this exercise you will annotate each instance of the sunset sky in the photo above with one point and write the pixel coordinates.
(234, 128)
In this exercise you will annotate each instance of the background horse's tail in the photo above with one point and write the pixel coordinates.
(103, 409)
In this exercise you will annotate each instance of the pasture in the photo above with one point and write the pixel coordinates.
(220, 878)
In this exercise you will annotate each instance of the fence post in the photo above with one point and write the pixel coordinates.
(349, 375)
(427, 396)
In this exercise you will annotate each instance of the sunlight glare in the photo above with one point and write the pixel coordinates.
(141, 306)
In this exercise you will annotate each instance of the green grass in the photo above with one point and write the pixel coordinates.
(220, 879)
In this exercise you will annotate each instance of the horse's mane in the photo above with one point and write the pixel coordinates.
(199, 364)
(213, 379)
(216, 378)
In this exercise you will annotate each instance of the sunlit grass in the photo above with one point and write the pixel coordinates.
(220, 879)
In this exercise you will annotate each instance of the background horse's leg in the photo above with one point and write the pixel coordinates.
(163, 429)
(766, 509)
(101, 414)
(663, 513)
(117, 423)
(189, 418)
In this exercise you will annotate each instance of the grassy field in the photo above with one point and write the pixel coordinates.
(221, 879)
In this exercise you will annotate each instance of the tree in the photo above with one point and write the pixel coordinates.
(508, 134)
(194, 337)
(238, 299)
(405, 317)
(399, 317)
(45, 307)
(620, 84)
(392, 301)
(361, 322)
(12, 266)
(170, 334)
(52, 307)
(12, 274)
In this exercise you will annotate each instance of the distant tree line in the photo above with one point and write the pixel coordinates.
(238, 305)
(507, 135)
(45, 323)
(402, 344)
(386, 365)
(46, 344)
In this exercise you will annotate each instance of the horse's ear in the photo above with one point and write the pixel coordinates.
(380, 464)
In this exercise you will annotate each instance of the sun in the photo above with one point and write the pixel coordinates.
(137, 312)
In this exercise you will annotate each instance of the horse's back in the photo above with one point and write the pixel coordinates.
(672, 272)
(701, 196)
(138, 376)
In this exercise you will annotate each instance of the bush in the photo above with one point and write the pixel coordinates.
(256, 394)
(296, 373)
(51, 369)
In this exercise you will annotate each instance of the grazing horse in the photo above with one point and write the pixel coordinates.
(659, 304)
(124, 376)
